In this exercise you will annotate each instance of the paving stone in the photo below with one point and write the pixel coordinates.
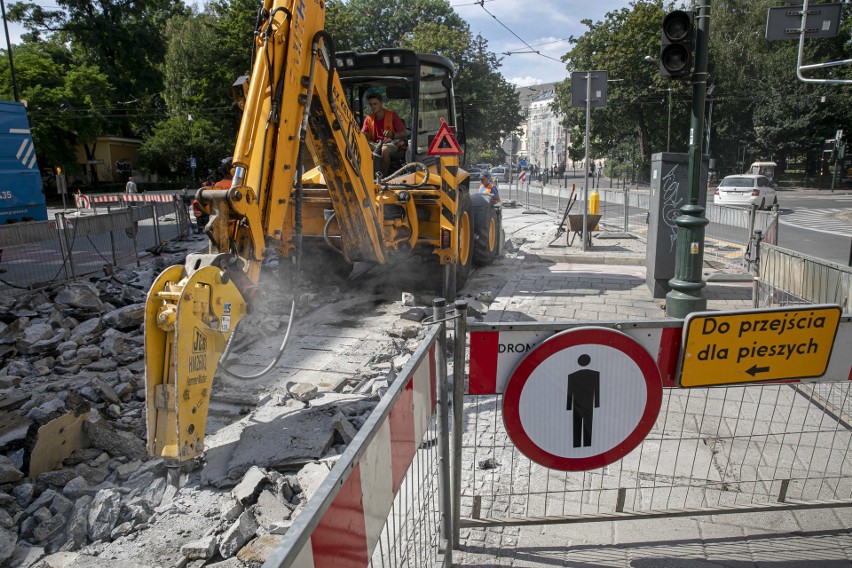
(250, 486)
(237, 535)
(8, 540)
(343, 427)
(202, 549)
(103, 515)
(257, 552)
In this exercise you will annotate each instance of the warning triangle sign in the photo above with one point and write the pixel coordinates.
(444, 143)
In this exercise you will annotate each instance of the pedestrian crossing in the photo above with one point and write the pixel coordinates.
(820, 220)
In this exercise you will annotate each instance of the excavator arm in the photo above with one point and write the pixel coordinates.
(294, 101)
(294, 109)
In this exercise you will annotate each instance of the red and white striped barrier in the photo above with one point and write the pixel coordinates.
(523, 177)
(495, 353)
(349, 529)
(87, 201)
(82, 201)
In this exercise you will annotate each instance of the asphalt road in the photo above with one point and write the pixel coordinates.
(817, 224)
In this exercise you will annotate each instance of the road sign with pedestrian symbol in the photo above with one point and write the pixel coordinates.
(582, 399)
(723, 348)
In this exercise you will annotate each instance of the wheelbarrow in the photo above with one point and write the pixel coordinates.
(575, 227)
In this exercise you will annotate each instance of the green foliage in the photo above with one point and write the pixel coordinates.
(68, 102)
(432, 26)
(760, 108)
(168, 149)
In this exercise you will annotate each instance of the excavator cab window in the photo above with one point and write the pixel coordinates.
(433, 104)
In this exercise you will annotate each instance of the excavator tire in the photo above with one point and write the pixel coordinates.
(489, 230)
(455, 276)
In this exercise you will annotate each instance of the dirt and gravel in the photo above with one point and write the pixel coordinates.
(76, 485)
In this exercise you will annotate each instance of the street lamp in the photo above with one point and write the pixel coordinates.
(192, 163)
(9, 52)
(669, 123)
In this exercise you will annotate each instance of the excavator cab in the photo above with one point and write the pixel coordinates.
(416, 86)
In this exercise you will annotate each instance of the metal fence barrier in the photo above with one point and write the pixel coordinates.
(732, 449)
(626, 210)
(731, 228)
(386, 501)
(789, 277)
(42, 253)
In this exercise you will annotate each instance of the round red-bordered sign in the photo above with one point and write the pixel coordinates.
(615, 398)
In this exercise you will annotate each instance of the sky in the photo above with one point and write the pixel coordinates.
(506, 25)
(543, 24)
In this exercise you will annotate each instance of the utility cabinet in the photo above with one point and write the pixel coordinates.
(669, 192)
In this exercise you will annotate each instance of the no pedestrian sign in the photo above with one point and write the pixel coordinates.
(582, 399)
(722, 348)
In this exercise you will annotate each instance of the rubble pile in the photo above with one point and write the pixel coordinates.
(75, 479)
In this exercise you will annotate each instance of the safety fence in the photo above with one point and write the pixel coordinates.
(107, 200)
(386, 502)
(42, 253)
(789, 277)
(730, 229)
(726, 449)
(627, 210)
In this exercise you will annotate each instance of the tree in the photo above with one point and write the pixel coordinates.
(370, 25)
(68, 103)
(432, 26)
(122, 38)
(196, 85)
(168, 148)
(619, 45)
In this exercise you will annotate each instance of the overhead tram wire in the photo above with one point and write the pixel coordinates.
(481, 4)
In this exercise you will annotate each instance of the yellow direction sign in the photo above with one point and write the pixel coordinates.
(723, 348)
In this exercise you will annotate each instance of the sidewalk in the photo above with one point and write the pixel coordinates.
(607, 283)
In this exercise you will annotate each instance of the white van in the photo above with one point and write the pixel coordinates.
(766, 169)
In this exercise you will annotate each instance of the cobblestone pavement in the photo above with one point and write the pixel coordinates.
(709, 447)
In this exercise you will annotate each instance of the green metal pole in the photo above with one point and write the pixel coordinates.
(685, 296)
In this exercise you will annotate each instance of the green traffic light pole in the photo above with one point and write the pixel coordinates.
(686, 296)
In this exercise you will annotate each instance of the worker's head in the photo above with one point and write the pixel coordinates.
(375, 100)
(225, 168)
(485, 176)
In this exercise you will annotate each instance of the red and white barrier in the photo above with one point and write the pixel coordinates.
(350, 528)
(82, 201)
(523, 177)
(87, 201)
(495, 354)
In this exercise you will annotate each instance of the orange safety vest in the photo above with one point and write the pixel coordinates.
(486, 189)
(388, 124)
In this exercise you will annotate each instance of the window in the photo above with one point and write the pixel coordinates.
(434, 104)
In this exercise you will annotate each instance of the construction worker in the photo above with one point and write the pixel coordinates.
(227, 175)
(385, 127)
(488, 188)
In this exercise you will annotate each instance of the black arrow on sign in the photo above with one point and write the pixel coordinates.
(755, 370)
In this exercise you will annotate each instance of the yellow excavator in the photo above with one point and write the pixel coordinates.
(307, 188)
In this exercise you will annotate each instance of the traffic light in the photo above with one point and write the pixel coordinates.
(676, 44)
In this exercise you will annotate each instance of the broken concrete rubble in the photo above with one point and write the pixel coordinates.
(78, 348)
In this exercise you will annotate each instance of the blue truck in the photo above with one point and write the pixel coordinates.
(21, 193)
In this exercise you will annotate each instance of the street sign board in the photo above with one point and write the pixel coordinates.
(599, 88)
(723, 348)
(785, 22)
(582, 399)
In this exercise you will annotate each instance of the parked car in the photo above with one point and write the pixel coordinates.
(501, 174)
(484, 167)
(474, 173)
(746, 189)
